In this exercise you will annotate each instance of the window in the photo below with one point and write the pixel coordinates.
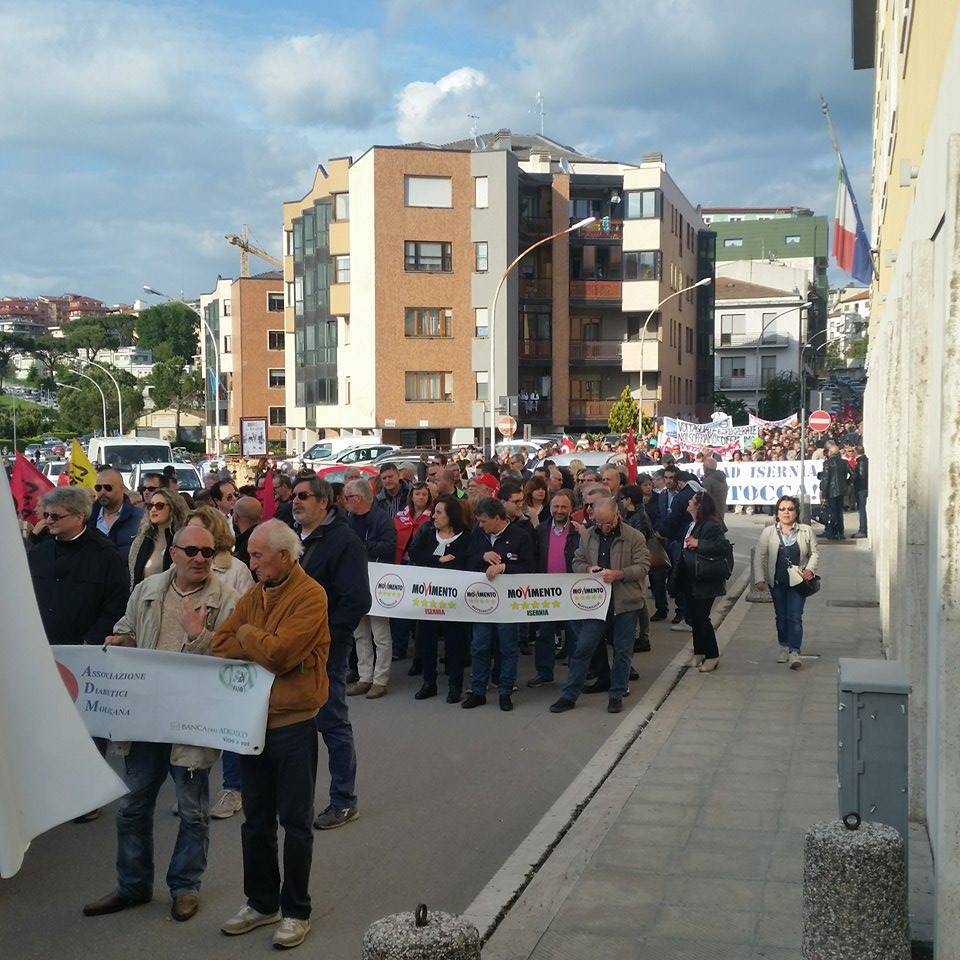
(427, 192)
(428, 385)
(768, 369)
(483, 380)
(689, 333)
(733, 242)
(278, 416)
(288, 243)
(275, 302)
(427, 322)
(481, 192)
(733, 367)
(276, 378)
(289, 293)
(226, 308)
(346, 390)
(274, 339)
(793, 238)
(298, 296)
(642, 264)
(341, 269)
(481, 321)
(643, 204)
(732, 325)
(227, 341)
(346, 331)
(341, 206)
(427, 257)
(480, 256)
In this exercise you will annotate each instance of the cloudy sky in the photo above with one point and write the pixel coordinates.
(133, 136)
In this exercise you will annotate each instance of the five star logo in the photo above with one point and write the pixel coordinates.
(515, 605)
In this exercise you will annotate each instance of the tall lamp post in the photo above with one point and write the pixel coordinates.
(117, 385)
(103, 399)
(705, 282)
(492, 316)
(216, 362)
(763, 330)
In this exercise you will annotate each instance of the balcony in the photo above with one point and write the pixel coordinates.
(734, 340)
(540, 410)
(606, 351)
(591, 409)
(535, 226)
(535, 349)
(535, 289)
(602, 229)
(741, 383)
(595, 289)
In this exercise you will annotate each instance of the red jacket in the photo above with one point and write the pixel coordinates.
(406, 526)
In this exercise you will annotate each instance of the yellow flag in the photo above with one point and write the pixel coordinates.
(80, 469)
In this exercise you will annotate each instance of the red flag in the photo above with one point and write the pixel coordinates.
(266, 497)
(27, 485)
(631, 457)
(567, 445)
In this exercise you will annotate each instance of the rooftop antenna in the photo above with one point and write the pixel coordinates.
(478, 141)
(538, 110)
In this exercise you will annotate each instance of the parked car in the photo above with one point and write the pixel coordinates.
(333, 454)
(33, 449)
(187, 475)
(335, 473)
(53, 468)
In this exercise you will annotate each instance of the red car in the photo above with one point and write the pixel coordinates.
(335, 473)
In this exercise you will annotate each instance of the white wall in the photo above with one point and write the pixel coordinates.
(781, 275)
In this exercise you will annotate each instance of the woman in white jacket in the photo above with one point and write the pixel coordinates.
(783, 544)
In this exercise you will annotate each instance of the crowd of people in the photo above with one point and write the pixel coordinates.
(207, 574)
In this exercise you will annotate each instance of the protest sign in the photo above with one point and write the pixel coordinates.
(123, 693)
(763, 482)
(792, 421)
(427, 593)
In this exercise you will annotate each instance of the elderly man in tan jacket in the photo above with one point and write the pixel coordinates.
(178, 611)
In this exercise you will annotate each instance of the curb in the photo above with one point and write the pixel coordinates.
(491, 906)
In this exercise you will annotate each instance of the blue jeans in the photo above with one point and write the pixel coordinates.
(788, 607)
(506, 635)
(545, 647)
(401, 631)
(145, 769)
(591, 633)
(658, 584)
(231, 770)
(333, 722)
(862, 509)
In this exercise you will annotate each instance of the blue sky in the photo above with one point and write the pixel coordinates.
(133, 136)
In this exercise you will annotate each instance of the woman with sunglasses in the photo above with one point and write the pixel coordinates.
(165, 514)
(783, 544)
(232, 571)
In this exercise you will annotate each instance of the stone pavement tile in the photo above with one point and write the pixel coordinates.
(684, 761)
(568, 945)
(782, 897)
(817, 771)
(775, 953)
(777, 765)
(702, 736)
(621, 851)
(726, 894)
(786, 863)
(736, 818)
(752, 782)
(659, 948)
(666, 775)
(758, 745)
(751, 864)
(684, 793)
(658, 813)
(730, 796)
(621, 888)
(802, 819)
(734, 839)
(582, 915)
(701, 923)
(781, 930)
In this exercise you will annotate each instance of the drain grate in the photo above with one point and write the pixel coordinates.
(853, 603)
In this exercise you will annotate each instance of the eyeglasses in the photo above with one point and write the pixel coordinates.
(54, 517)
(205, 552)
(159, 505)
(147, 489)
(788, 506)
(303, 496)
(106, 486)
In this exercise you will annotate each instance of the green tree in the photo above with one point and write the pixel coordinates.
(737, 409)
(781, 397)
(174, 324)
(10, 345)
(120, 327)
(81, 409)
(49, 352)
(624, 413)
(176, 388)
(87, 335)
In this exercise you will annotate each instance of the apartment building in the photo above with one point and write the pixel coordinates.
(245, 319)
(391, 266)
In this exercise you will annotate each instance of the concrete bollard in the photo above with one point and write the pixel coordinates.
(421, 936)
(854, 892)
(753, 594)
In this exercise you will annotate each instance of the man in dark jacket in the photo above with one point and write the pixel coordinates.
(833, 488)
(674, 523)
(334, 556)
(80, 579)
(860, 485)
(283, 495)
(113, 513)
(394, 493)
(496, 546)
(556, 543)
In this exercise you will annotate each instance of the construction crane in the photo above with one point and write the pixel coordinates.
(246, 248)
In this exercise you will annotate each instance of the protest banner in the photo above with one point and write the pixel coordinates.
(712, 435)
(426, 593)
(792, 421)
(50, 769)
(763, 482)
(28, 485)
(123, 693)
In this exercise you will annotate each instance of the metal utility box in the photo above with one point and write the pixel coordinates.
(872, 741)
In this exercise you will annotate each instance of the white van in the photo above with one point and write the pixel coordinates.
(124, 452)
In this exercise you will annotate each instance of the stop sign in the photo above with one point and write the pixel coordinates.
(507, 426)
(819, 421)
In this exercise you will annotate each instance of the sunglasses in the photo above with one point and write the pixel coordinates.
(159, 505)
(54, 517)
(147, 489)
(205, 552)
(105, 486)
(303, 496)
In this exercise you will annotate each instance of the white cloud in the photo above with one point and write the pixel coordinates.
(323, 78)
(437, 112)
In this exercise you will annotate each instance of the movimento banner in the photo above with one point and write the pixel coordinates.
(426, 593)
(763, 482)
(123, 693)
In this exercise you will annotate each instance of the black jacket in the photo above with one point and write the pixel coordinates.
(334, 556)
(379, 536)
(861, 474)
(677, 519)
(542, 534)
(285, 513)
(82, 587)
(125, 527)
(240, 545)
(424, 543)
(834, 476)
(690, 576)
(514, 544)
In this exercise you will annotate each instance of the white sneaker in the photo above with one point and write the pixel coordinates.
(248, 919)
(783, 654)
(681, 627)
(695, 660)
(795, 662)
(291, 933)
(228, 803)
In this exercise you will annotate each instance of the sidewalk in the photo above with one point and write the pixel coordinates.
(693, 847)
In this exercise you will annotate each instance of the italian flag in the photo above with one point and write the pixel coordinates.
(851, 249)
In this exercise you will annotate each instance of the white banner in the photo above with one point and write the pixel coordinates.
(712, 435)
(791, 421)
(426, 593)
(123, 693)
(763, 482)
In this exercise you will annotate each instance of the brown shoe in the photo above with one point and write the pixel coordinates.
(358, 689)
(111, 903)
(184, 906)
(376, 691)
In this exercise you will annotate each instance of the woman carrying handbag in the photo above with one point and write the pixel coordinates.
(787, 560)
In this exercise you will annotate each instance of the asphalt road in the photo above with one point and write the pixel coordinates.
(445, 796)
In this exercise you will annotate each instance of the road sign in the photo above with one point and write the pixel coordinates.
(507, 426)
(819, 421)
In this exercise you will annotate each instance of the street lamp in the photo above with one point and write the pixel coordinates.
(117, 385)
(492, 316)
(705, 282)
(216, 362)
(763, 330)
(103, 398)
